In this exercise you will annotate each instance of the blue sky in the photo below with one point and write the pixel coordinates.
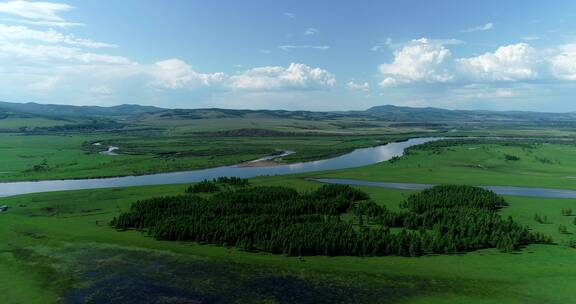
(311, 55)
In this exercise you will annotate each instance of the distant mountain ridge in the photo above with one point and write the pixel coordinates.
(81, 111)
(385, 113)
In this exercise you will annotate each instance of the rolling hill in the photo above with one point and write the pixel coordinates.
(53, 110)
(385, 113)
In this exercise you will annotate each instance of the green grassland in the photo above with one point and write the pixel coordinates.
(60, 147)
(16, 123)
(543, 165)
(39, 157)
(206, 121)
(350, 125)
(306, 147)
(59, 246)
(514, 131)
(43, 144)
(51, 242)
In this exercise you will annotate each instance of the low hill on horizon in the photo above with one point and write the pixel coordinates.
(390, 113)
(77, 111)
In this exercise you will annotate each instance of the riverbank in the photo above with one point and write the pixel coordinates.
(514, 164)
(268, 161)
(74, 156)
(356, 158)
(477, 163)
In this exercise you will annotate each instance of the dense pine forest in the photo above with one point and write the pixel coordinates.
(280, 220)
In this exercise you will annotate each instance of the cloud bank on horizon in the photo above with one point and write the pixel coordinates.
(290, 56)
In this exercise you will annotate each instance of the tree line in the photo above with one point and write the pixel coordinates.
(212, 186)
(281, 220)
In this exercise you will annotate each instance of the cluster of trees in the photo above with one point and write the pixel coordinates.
(567, 211)
(41, 167)
(511, 157)
(541, 219)
(459, 218)
(204, 186)
(92, 126)
(280, 220)
(232, 181)
(212, 186)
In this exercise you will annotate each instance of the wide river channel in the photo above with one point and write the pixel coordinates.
(356, 158)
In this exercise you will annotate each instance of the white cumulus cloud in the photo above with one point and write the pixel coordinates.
(177, 74)
(429, 61)
(296, 76)
(508, 63)
(563, 64)
(421, 60)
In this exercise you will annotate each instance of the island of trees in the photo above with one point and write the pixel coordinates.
(332, 220)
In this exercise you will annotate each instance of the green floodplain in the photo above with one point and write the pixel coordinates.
(59, 247)
(55, 242)
(41, 157)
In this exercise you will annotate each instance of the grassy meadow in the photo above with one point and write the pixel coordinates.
(16, 123)
(40, 157)
(58, 246)
(544, 165)
(156, 143)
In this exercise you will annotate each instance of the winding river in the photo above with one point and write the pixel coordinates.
(356, 158)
